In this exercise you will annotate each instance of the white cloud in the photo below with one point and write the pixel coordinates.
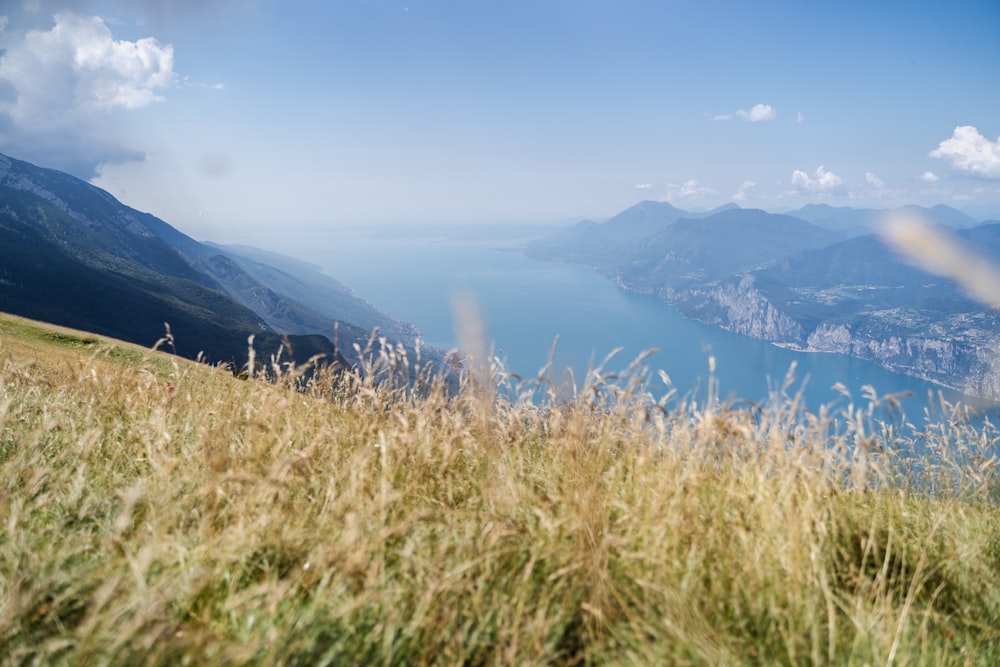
(929, 177)
(754, 114)
(800, 117)
(821, 181)
(745, 188)
(758, 113)
(643, 186)
(692, 189)
(79, 61)
(874, 180)
(57, 85)
(3, 23)
(969, 151)
(188, 83)
(687, 190)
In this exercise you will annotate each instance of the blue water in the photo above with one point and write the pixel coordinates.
(526, 304)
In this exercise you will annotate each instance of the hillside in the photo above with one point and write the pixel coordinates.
(161, 512)
(324, 301)
(861, 299)
(72, 254)
(817, 279)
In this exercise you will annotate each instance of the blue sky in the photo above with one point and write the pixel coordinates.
(231, 116)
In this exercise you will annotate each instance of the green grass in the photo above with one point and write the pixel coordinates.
(154, 511)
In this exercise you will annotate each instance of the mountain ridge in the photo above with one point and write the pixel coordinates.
(827, 284)
(72, 254)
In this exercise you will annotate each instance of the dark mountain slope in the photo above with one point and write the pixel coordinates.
(72, 254)
(88, 222)
(40, 280)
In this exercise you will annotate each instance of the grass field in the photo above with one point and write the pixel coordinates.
(156, 511)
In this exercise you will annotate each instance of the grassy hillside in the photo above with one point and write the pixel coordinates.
(40, 280)
(154, 511)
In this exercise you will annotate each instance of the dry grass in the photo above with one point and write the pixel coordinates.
(355, 521)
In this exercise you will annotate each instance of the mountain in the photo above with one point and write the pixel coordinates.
(730, 241)
(944, 215)
(72, 254)
(844, 219)
(603, 245)
(861, 299)
(983, 212)
(816, 279)
(860, 221)
(327, 300)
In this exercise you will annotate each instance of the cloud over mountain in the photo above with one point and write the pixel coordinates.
(687, 190)
(821, 181)
(746, 187)
(969, 151)
(58, 86)
(874, 180)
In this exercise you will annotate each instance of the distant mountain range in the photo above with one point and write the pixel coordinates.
(816, 279)
(72, 254)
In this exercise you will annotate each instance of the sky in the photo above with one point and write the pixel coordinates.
(229, 118)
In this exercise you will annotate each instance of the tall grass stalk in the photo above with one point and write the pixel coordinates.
(154, 511)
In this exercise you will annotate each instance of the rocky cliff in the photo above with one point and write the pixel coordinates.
(966, 363)
(817, 279)
(737, 305)
(962, 352)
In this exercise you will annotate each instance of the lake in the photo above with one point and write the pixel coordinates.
(415, 275)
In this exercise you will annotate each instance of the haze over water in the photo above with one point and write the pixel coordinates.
(415, 275)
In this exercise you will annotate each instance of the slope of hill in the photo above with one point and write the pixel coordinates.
(306, 284)
(860, 299)
(72, 254)
(159, 512)
(782, 279)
